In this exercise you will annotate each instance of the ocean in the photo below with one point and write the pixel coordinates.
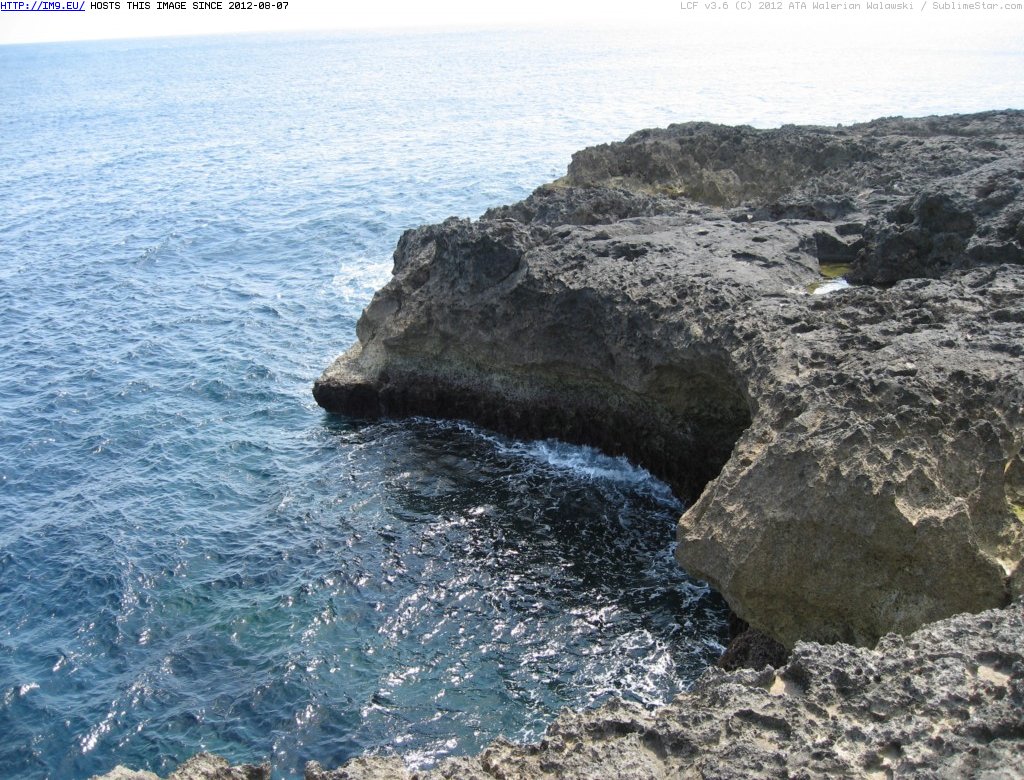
(193, 555)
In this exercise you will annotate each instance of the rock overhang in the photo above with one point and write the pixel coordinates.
(858, 449)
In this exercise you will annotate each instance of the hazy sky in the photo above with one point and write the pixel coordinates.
(916, 26)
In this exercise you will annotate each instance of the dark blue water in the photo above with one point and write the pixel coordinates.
(192, 555)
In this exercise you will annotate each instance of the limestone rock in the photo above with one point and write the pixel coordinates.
(202, 766)
(121, 772)
(937, 193)
(854, 461)
(558, 204)
(960, 222)
(361, 768)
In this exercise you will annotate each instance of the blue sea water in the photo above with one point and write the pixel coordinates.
(192, 554)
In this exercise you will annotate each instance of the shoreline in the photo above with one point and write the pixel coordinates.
(945, 701)
(855, 460)
(654, 303)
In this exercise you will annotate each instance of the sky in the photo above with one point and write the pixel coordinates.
(924, 22)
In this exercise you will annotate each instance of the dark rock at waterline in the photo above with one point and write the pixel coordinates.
(854, 460)
(752, 649)
(830, 249)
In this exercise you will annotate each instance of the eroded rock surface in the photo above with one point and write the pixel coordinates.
(854, 460)
(202, 766)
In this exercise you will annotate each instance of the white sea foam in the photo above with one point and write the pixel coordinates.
(835, 285)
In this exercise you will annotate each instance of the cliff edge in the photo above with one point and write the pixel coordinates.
(853, 460)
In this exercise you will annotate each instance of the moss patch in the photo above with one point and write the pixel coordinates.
(561, 183)
(830, 272)
(834, 270)
(668, 190)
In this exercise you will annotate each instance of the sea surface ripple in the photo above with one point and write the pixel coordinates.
(193, 556)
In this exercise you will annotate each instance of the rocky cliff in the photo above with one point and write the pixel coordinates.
(854, 460)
